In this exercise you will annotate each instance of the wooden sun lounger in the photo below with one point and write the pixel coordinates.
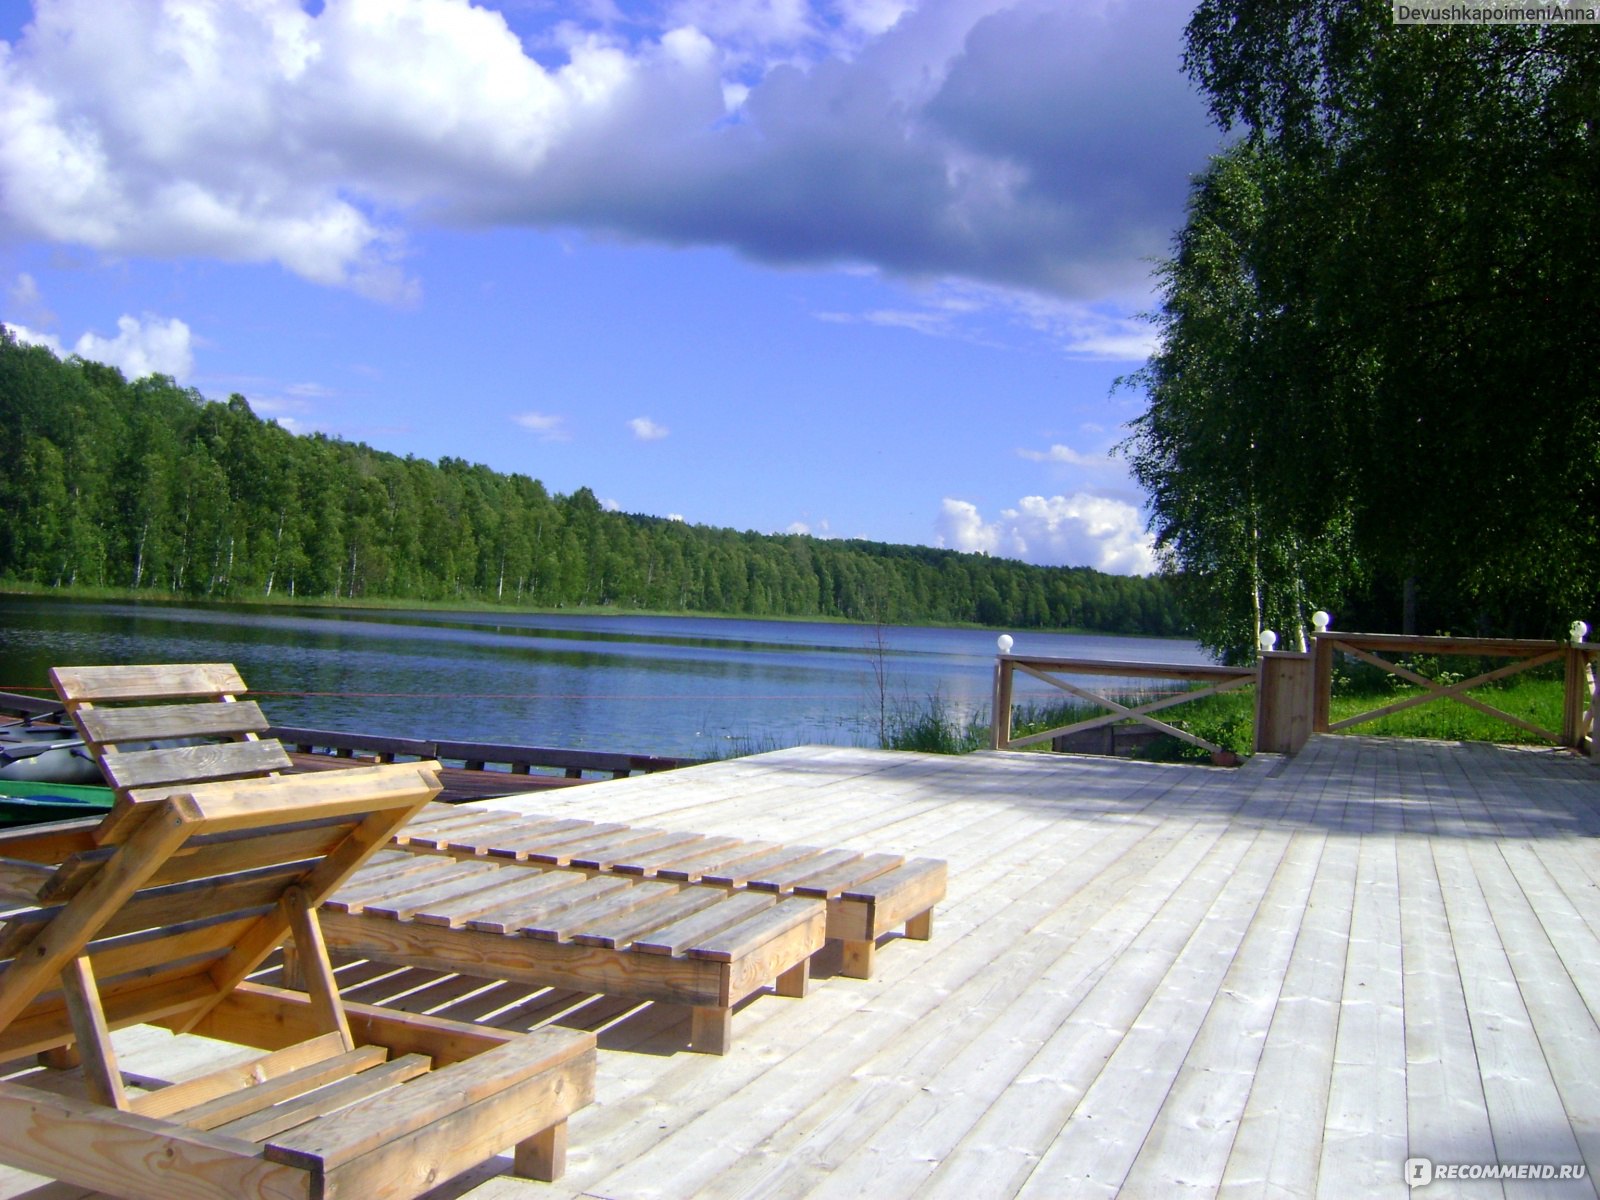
(637, 939)
(156, 916)
(642, 941)
(867, 895)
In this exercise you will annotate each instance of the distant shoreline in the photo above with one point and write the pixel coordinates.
(380, 604)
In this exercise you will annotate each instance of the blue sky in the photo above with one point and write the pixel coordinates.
(859, 268)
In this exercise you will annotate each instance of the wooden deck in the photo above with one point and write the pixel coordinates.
(1147, 981)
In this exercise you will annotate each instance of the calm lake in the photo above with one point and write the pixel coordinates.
(690, 686)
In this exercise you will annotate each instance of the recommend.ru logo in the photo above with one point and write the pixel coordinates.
(1420, 1172)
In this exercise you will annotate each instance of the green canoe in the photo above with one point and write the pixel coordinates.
(36, 803)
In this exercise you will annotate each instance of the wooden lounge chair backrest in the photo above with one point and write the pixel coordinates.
(130, 721)
(146, 744)
(183, 897)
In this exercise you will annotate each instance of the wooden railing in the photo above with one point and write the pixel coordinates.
(1293, 691)
(474, 756)
(1212, 680)
(1380, 650)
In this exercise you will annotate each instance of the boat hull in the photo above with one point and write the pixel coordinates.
(37, 803)
(45, 754)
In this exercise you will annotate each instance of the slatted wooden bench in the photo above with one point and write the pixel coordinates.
(640, 939)
(867, 895)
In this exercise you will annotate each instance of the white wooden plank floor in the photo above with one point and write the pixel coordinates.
(1147, 981)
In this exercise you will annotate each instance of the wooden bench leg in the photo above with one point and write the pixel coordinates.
(920, 927)
(711, 1029)
(858, 958)
(544, 1155)
(795, 981)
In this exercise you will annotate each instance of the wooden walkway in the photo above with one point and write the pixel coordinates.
(1147, 981)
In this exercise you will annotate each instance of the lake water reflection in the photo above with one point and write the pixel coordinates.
(688, 686)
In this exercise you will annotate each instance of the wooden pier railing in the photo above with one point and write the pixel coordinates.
(475, 756)
(1054, 671)
(1380, 650)
(1293, 691)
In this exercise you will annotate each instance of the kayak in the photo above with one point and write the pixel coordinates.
(45, 753)
(35, 803)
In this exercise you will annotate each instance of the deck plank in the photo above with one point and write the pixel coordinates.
(1524, 1108)
(1186, 1151)
(1444, 1089)
(1365, 1130)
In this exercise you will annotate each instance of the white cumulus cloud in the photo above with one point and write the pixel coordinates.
(961, 527)
(151, 346)
(33, 337)
(1027, 144)
(647, 430)
(1076, 530)
(547, 427)
(148, 345)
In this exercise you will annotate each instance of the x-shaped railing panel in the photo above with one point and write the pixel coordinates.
(1215, 680)
(1435, 691)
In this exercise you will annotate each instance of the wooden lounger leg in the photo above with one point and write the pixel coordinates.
(294, 975)
(60, 1058)
(711, 1029)
(795, 981)
(544, 1155)
(920, 927)
(858, 958)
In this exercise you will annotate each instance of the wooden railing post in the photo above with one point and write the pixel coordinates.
(1321, 679)
(1575, 699)
(1000, 721)
(1284, 702)
(1581, 698)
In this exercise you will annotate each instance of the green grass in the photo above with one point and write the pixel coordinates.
(933, 727)
(1535, 696)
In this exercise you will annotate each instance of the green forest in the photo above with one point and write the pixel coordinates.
(1375, 389)
(149, 486)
